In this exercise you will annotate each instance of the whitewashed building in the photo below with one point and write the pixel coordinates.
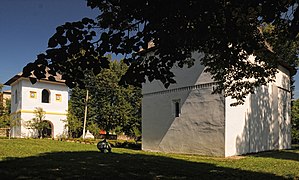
(51, 96)
(187, 118)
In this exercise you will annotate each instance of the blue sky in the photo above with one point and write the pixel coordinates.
(26, 26)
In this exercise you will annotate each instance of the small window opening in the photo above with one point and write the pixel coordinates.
(32, 94)
(45, 96)
(58, 97)
(177, 108)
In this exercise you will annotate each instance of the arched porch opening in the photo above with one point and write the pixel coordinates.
(48, 130)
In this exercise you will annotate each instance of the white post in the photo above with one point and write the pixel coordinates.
(85, 114)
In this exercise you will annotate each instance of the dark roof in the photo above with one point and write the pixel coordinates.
(20, 75)
(291, 69)
(7, 92)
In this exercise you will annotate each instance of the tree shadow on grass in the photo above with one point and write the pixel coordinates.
(95, 165)
(291, 154)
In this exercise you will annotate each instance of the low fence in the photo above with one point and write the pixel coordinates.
(106, 136)
(114, 137)
(4, 132)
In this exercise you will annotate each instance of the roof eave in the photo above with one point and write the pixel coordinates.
(16, 77)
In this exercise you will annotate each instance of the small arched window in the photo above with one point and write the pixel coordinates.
(45, 96)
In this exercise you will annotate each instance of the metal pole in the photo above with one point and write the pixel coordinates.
(85, 115)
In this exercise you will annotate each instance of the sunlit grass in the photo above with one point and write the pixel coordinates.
(50, 159)
(33, 147)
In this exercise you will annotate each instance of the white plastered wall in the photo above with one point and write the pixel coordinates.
(15, 107)
(57, 122)
(54, 88)
(200, 127)
(184, 77)
(198, 130)
(23, 110)
(263, 122)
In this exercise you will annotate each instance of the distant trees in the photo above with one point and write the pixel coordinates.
(295, 121)
(5, 120)
(73, 123)
(110, 106)
(4, 110)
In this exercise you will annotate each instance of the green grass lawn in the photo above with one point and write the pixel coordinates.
(49, 159)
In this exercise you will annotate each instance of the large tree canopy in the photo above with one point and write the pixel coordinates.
(227, 31)
(110, 105)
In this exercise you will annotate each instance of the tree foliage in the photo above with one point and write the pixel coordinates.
(38, 123)
(295, 121)
(228, 32)
(5, 119)
(73, 123)
(109, 105)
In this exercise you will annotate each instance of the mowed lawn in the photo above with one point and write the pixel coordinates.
(50, 159)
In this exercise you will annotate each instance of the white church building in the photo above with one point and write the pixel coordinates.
(51, 96)
(187, 118)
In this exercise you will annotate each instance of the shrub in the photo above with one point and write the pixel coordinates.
(125, 144)
(295, 136)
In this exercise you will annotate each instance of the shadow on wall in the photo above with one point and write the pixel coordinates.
(201, 117)
(158, 110)
(95, 165)
(267, 123)
(257, 132)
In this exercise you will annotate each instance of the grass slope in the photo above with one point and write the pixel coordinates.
(48, 159)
